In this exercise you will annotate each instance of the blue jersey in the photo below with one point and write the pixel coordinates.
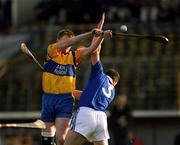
(99, 92)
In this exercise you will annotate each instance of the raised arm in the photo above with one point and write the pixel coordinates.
(101, 23)
(76, 39)
(99, 26)
(94, 45)
(96, 41)
(95, 55)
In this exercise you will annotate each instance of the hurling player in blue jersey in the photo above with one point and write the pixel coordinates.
(90, 122)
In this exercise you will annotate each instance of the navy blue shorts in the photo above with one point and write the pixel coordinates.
(56, 106)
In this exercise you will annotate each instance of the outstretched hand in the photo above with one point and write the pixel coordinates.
(97, 32)
(107, 34)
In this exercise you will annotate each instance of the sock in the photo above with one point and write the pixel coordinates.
(47, 139)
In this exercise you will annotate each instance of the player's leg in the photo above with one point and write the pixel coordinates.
(62, 126)
(82, 127)
(64, 109)
(101, 135)
(47, 115)
(74, 138)
(103, 142)
(48, 134)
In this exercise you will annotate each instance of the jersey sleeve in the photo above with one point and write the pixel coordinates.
(52, 50)
(96, 70)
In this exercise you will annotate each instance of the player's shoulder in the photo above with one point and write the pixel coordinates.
(52, 45)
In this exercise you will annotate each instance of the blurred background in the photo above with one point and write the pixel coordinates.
(150, 71)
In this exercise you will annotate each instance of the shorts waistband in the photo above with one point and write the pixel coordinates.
(65, 94)
(91, 110)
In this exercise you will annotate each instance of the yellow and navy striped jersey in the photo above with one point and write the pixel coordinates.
(59, 71)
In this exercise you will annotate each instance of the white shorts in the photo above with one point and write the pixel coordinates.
(90, 123)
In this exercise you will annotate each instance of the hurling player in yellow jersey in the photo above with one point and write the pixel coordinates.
(58, 82)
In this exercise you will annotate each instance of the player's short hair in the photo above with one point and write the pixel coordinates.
(63, 32)
(113, 74)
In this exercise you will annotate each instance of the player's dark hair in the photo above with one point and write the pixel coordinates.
(113, 74)
(63, 32)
